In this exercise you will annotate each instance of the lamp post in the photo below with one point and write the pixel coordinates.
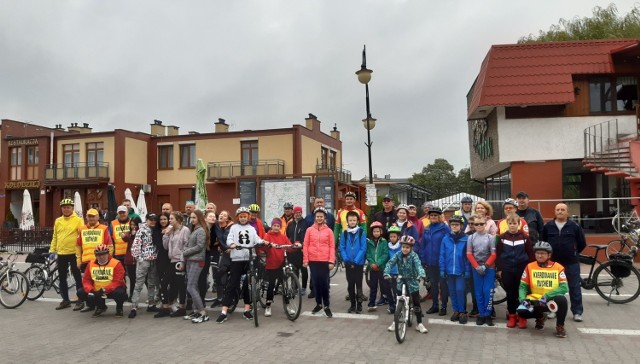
(364, 76)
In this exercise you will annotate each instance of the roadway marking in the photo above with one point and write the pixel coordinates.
(471, 323)
(609, 332)
(342, 315)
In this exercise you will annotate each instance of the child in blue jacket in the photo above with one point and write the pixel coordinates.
(353, 248)
(454, 267)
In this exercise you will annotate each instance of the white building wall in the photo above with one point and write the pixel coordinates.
(551, 138)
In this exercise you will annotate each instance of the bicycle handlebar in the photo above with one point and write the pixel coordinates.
(289, 246)
(240, 247)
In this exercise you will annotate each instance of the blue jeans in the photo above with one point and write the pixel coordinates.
(484, 286)
(575, 293)
(457, 290)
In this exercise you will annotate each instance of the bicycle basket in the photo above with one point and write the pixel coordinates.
(621, 271)
(586, 259)
(37, 256)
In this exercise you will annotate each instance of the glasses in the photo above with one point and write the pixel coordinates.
(479, 224)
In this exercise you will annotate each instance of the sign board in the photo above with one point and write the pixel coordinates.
(20, 185)
(276, 192)
(247, 192)
(372, 194)
(325, 189)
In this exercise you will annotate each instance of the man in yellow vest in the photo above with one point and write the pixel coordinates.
(103, 278)
(89, 237)
(119, 228)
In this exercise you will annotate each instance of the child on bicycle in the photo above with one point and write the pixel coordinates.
(410, 268)
(394, 248)
(377, 257)
(275, 259)
(353, 249)
(245, 236)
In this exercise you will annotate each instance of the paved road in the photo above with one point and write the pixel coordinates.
(35, 332)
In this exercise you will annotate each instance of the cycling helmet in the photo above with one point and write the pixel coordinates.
(510, 201)
(101, 249)
(376, 224)
(435, 210)
(427, 205)
(403, 206)
(394, 229)
(350, 194)
(241, 210)
(66, 201)
(287, 205)
(542, 245)
(320, 209)
(254, 207)
(466, 199)
(407, 239)
(456, 219)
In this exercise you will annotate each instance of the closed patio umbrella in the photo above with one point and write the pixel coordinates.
(201, 189)
(26, 218)
(77, 204)
(142, 206)
(129, 196)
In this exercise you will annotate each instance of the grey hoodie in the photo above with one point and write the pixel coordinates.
(244, 236)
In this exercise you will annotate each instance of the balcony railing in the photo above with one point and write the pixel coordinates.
(221, 170)
(74, 171)
(344, 175)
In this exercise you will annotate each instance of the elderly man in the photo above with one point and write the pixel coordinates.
(530, 215)
(167, 208)
(189, 207)
(387, 217)
(465, 211)
(119, 229)
(567, 240)
(310, 218)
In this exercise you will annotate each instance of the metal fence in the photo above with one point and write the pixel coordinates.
(15, 239)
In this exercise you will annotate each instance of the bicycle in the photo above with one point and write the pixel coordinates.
(42, 275)
(339, 264)
(14, 288)
(404, 311)
(291, 298)
(616, 280)
(629, 237)
(252, 283)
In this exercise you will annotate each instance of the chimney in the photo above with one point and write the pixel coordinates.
(157, 129)
(172, 130)
(312, 122)
(59, 127)
(335, 134)
(84, 129)
(221, 126)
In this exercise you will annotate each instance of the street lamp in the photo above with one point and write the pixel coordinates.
(364, 76)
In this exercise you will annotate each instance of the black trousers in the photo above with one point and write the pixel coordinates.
(64, 262)
(354, 282)
(177, 286)
(511, 284)
(237, 270)
(119, 295)
(539, 310)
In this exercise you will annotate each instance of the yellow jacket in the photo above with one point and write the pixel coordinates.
(65, 234)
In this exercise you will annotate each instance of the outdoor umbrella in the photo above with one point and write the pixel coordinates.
(142, 206)
(129, 196)
(201, 189)
(112, 205)
(77, 204)
(26, 218)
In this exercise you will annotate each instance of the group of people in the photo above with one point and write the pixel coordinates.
(171, 254)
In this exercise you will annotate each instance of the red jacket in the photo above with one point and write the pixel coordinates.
(319, 245)
(275, 257)
(117, 279)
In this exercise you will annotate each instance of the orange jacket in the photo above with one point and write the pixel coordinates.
(88, 239)
(109, 276)
(118, 228)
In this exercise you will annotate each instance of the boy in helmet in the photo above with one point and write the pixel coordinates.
(410, 268)
(543, 286)
(510, 206)
(454, 267)
(377, 257)
(103, 278)
(63, 246)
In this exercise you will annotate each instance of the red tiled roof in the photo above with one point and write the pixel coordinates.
(540, 73)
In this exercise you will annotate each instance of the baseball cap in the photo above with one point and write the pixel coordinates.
(522, 194)
(92, 212)
(387, 197)
(122, 208)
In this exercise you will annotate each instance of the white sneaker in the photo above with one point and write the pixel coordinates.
(421, 328)
(577, 318)
(551, 315)
(267, 311)
(392, 327)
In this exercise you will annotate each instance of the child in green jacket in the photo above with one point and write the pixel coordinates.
(377, 258)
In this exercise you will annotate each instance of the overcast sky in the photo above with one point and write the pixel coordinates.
(265, 64)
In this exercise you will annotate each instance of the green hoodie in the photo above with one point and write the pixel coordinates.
(379, 254)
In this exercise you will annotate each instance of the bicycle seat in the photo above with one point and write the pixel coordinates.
(598, 246)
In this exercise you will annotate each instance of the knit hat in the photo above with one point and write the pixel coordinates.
(276, 221)
(297, 209)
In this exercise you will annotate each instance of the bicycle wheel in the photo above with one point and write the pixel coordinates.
(336, 266)
(613, 287)
(71, 283)
(400, 319)
(617, 246)
(499, 294)
(255, 299)
(291, 298)
(37, 282)
(14, 289)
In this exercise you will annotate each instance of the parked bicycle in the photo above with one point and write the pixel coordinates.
(14, 287)
(629, 237)
(291, 298)
(252, 276)
(616, 280)
(42, 275)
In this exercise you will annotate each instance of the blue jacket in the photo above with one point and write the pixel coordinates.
(393, 250)
(566, 244)
(353, 247)
(429, 247)
(408, 228)
(453, 254)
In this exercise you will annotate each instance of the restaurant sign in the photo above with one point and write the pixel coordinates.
(19, 185)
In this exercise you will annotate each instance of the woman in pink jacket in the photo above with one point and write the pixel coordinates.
(319, 254)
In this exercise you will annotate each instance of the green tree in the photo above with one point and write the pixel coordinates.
(469, 185)
(604, 24)
(438, 177)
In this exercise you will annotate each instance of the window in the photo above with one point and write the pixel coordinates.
(95, 154)
(165, 157)
(323, 157)
(249, 153)
(498, 188)
(332, 160)
(188, 156)
(16, 164)
(613, 94)
(71, 154)
(32, 162)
